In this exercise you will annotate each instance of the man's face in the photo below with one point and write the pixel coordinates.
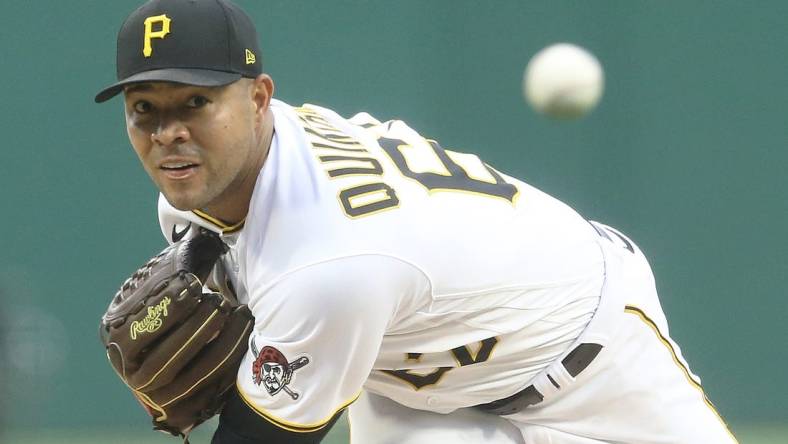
(273, 377)
(196, 143)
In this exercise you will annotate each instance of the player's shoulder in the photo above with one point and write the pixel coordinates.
(358, 270)
(321, 119)
(347, 286)
(361, 118)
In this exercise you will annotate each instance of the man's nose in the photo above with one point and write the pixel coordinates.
(171, 132)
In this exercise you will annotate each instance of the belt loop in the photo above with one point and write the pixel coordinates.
(575, 362)
(579, 358)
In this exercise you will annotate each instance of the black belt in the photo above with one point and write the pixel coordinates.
(574, 363)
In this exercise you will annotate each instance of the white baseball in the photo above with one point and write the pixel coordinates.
(563, 81)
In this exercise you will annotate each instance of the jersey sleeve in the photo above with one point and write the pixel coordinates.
(317, 335)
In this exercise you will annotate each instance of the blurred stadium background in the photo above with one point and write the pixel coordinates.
(686, 153)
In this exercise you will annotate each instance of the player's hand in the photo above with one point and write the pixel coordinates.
(174, 345)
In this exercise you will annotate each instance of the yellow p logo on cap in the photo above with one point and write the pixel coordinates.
(147, 50)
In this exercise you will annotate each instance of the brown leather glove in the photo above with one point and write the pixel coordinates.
(176, 347)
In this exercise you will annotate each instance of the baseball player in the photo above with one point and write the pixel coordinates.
(431, 295)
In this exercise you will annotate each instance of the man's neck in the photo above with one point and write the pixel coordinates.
(233, 207)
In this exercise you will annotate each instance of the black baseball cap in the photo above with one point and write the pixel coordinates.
(194, 42)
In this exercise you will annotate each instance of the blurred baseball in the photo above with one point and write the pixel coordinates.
(563, 81)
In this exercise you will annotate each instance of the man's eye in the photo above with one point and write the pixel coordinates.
(197, 102)
(142, 107)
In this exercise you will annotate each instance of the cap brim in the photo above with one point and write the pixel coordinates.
(197, 77)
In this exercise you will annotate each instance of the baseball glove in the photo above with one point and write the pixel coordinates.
(176, 346)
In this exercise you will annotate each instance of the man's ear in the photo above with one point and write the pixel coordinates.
(262, 91)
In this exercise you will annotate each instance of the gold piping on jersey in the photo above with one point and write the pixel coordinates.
(294, 426)
(225, 228)
(631, 309)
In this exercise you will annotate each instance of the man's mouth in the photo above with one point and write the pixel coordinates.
(179, 169)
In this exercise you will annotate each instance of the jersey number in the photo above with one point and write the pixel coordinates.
(462, 354)
(431, 166)
(446, 173)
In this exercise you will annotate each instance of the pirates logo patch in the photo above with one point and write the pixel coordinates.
(273, 371)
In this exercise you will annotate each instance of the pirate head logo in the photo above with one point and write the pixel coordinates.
(271, 369)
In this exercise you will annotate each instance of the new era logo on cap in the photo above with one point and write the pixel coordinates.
(196, 42)
(250, 57)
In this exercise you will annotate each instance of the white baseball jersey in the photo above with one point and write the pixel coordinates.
(373, 258)
(639, 389)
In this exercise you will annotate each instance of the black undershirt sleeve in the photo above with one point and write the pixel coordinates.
(239, 424)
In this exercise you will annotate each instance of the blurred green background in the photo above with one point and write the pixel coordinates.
(686, 154)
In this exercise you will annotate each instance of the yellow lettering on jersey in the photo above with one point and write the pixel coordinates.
(152, 320)
(315, 120)
(368, 198)
(250, 58)
(334, 140)
(333, 147)
(164, 21)
(317, 125)
(327, 145)
(349, 165)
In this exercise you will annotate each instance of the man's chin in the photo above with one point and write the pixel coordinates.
(183, 202)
